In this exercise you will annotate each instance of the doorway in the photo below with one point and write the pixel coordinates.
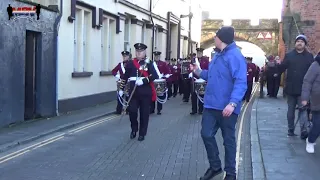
(31, 59)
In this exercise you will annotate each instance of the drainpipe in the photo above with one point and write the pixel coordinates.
(55, 54)
(151, 18)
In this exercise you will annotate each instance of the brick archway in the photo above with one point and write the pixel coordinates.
(244, 32)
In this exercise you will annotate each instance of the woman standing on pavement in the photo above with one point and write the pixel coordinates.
(311, 91)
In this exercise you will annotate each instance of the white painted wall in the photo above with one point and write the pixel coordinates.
(69, 87)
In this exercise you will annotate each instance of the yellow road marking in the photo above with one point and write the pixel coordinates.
(52, 139)
(240, 129)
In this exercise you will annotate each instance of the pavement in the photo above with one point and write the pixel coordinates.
(274, 155)
(101, 150)
(29, 131)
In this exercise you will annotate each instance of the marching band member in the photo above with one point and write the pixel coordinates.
(169, 80)
(251, 73)
(187, 80)
(180, 83)
(176, 71)
(141, 74)
(164, 73)
(204, 64)
(118, 72)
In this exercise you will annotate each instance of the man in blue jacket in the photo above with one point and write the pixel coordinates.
(226, 85)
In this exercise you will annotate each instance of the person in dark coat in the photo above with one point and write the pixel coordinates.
(141, 73)
(186, 88)
(204, 63)
(252, 72)
(273, 77)
(165, 74)
(180, 86)
(297, 63)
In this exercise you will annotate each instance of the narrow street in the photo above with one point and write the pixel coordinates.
(102, 150)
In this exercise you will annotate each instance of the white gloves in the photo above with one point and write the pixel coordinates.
(117, 76)
(121, 93)
(175, 67)
(161, 75)
(190, 75)
(167, 75)
(139, 82)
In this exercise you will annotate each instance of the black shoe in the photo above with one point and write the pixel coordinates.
(230, 177)
(151, 112)
(133, 135)
(210, 174)
(140, 138)
(200, 112)
(304, 135)
(291, 133)
(193, 113)
(158, 113)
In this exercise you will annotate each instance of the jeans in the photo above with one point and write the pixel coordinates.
(212, 120)
(315, 130)
(292, 102)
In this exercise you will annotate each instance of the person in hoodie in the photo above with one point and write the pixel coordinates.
(226, 85)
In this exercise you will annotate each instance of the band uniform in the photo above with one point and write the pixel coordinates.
(118, 72)
(252, 72)
(140, 72)
(197, 105)
(164, 70)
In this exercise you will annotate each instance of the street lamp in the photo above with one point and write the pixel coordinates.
(190, 15)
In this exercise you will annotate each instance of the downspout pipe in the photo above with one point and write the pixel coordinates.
(153, 33)
(55, 52)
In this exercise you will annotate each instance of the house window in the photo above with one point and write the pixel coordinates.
(156, 38)
(107, 34)
(81, 37)
(143, 33)
(127, 35)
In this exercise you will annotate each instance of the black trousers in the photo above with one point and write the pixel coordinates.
(247, 96)
(159, 105)
(173, 88)
(180, 85)
(195, 102)
(169, 85)
(273, 84)
(119, 105)
(142, 104)
(186, 89)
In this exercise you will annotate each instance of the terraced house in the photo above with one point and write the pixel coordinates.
(63, 61)
(93, 33)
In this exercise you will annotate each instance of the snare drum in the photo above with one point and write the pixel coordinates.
(200, 86)
(126, 89)
(160, 86)
(185, 68)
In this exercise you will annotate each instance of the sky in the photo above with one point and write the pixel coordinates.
(243, 9)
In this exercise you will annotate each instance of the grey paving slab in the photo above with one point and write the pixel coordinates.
(173, 149)
(31, 130)
(282, 157)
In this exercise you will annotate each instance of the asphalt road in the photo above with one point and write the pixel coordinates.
(102, 150)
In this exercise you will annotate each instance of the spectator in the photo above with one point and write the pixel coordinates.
(311, 91)
(297, 63)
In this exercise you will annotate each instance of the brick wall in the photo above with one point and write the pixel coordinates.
(307, 14)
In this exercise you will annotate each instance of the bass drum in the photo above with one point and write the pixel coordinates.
(200, 86)
(160, 86)
(126, 89)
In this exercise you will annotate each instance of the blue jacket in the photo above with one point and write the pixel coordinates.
(226, 79)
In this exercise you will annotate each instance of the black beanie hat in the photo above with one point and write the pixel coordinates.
(302, 37)
(226, 34)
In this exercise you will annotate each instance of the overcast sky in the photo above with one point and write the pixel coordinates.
(242, 9)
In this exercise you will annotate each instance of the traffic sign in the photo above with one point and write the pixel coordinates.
(260, 36)
(268, 36)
